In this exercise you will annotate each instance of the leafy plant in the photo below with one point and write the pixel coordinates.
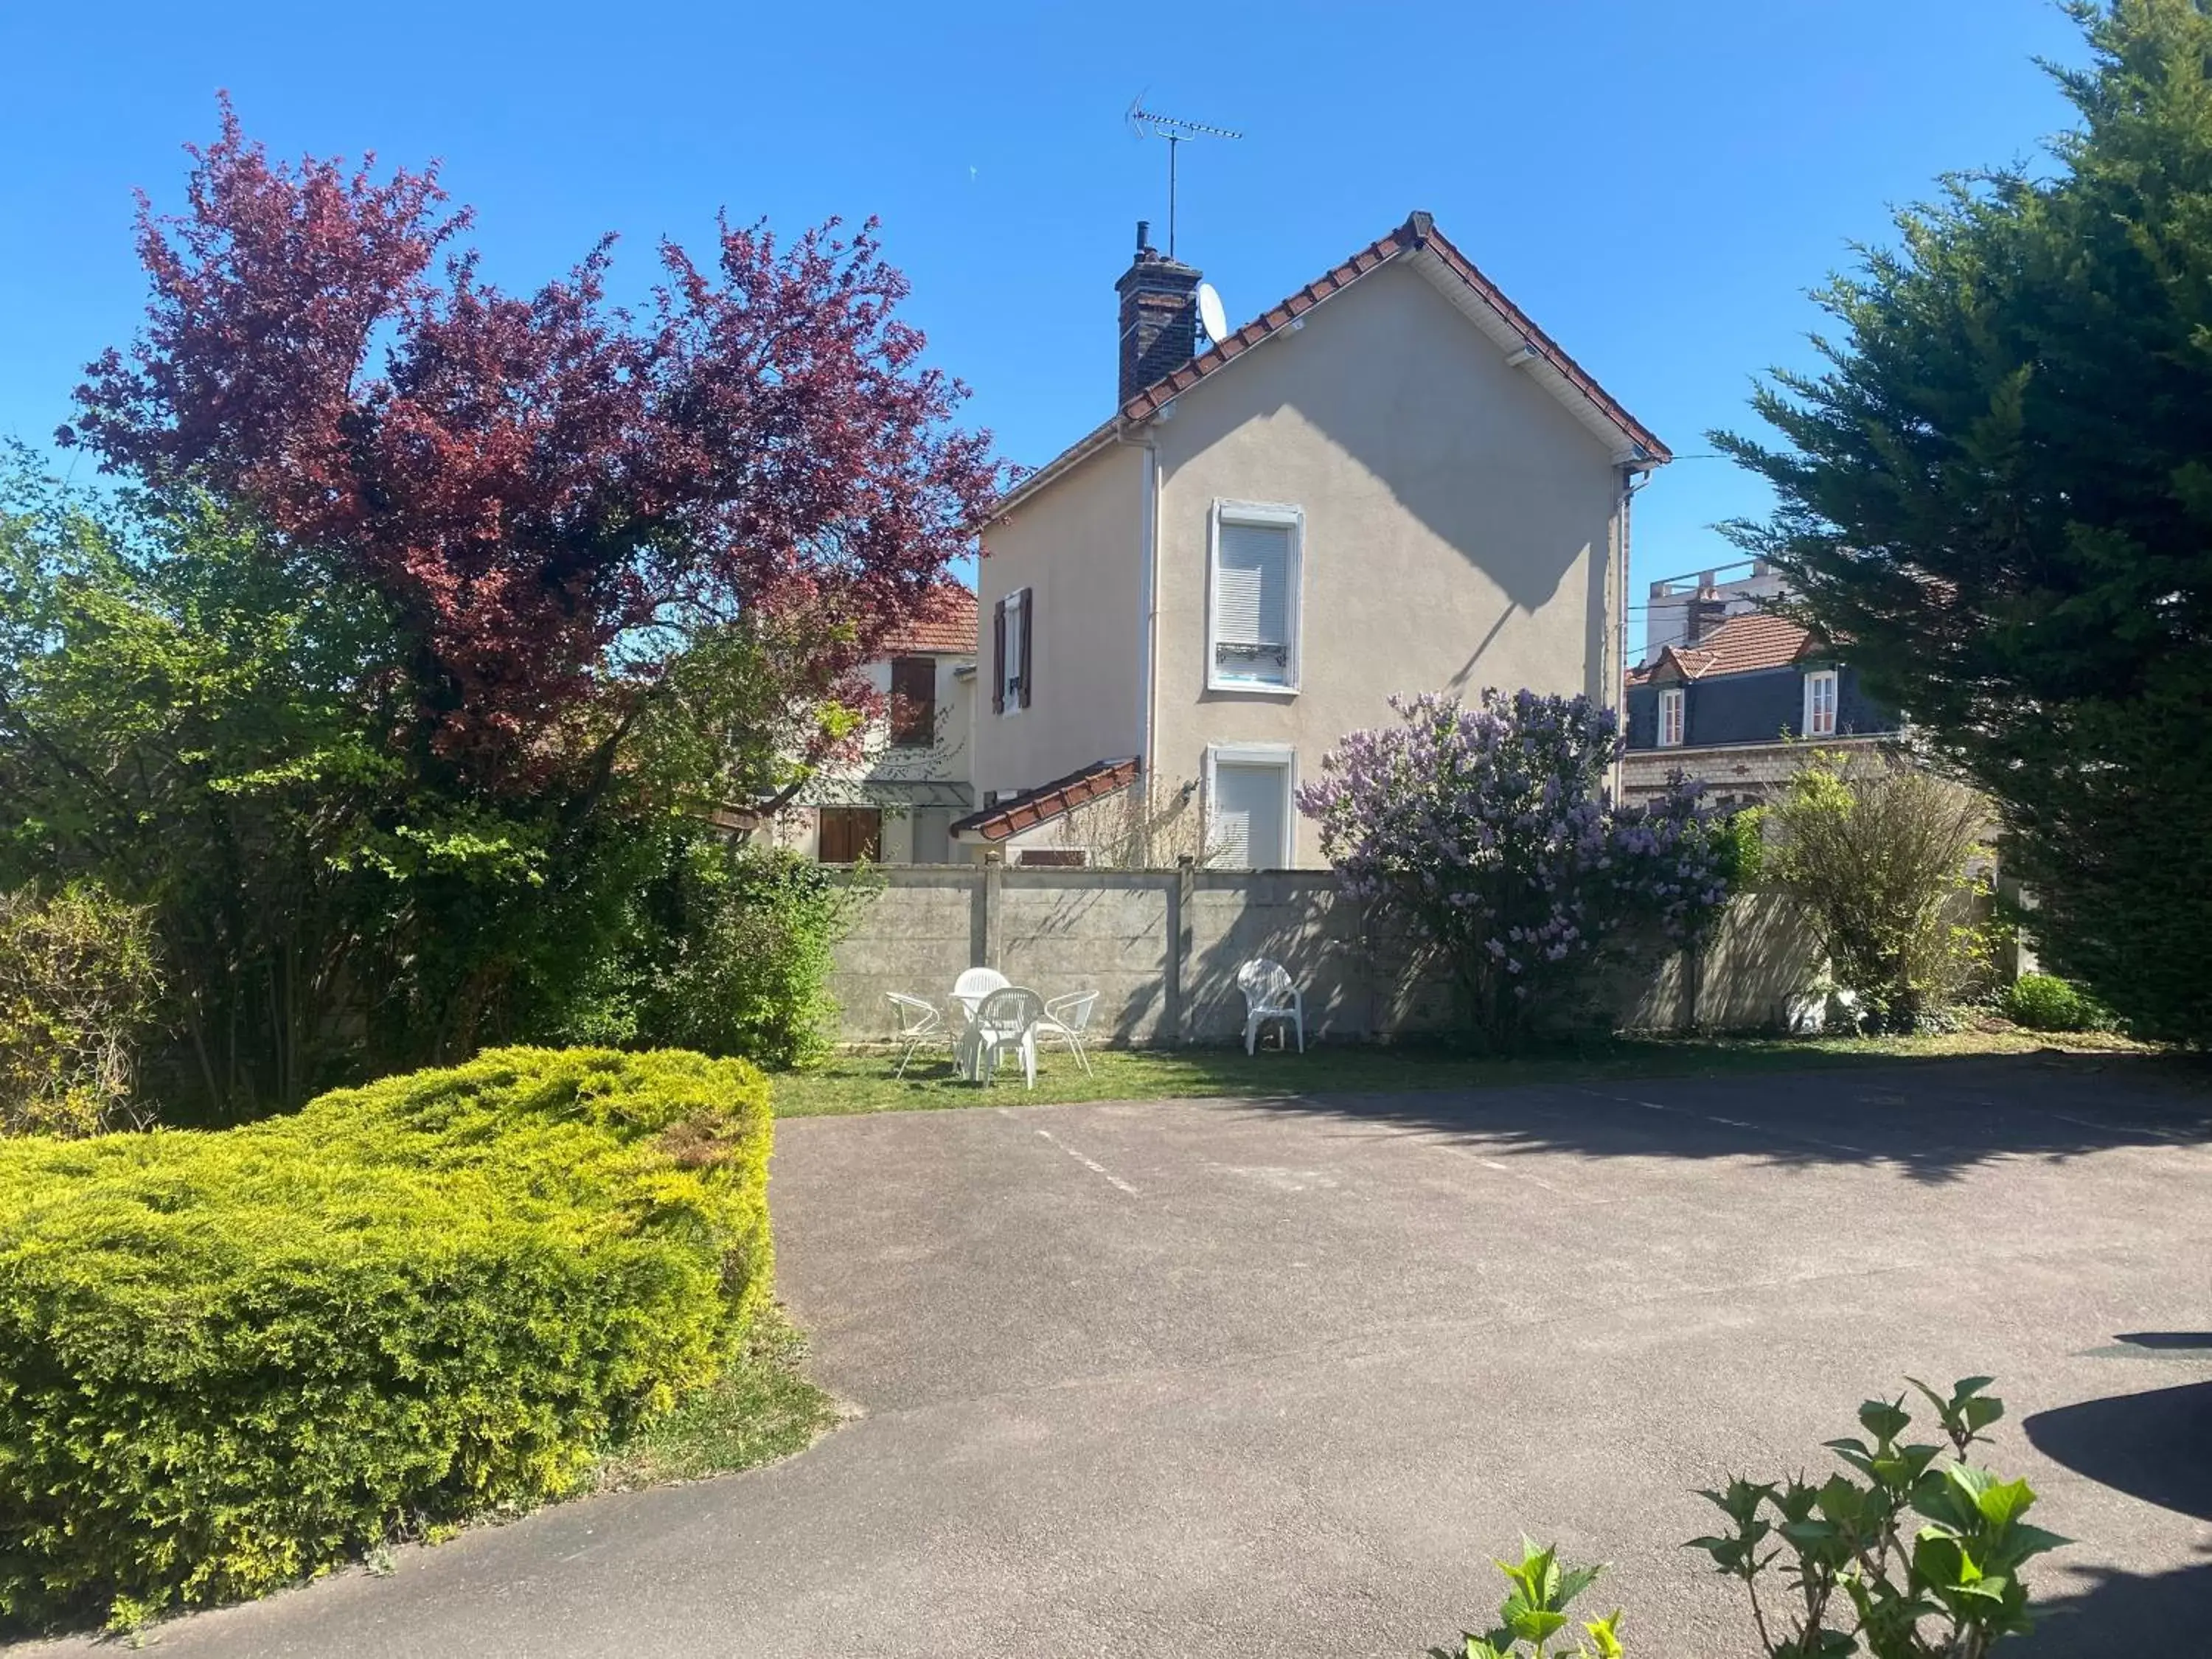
(2043, 1002)
(1876, 848)
(727, 951)
(1488, 829)
(1858, 1571)
(1997, 489)
(77, 985)
(1534, 1613)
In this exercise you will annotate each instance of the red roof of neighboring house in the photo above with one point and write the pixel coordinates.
(1738, 646)
(1048, 801)
(945, 625)
(1417, 235)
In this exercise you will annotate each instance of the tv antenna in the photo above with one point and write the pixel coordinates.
(1149, 124)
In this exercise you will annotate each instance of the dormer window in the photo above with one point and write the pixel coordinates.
(1671, 699)
(1820, 703)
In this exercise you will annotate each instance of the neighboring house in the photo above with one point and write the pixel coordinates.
(898, 803)
(1729, 709)
(1683, 610)
(1392, 482)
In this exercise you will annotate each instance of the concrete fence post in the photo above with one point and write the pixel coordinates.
(1180, 925)
(994, 916)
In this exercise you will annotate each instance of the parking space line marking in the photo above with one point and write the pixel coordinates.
(1090, 1163)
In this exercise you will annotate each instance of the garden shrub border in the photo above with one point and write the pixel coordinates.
(230, 1359)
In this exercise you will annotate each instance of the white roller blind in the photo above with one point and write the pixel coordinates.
(1252, 599)
(1248, 816)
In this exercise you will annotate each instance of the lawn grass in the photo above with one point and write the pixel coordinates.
(863, 1080)
(762, 1408)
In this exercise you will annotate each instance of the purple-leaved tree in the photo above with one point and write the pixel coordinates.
(1487, 829)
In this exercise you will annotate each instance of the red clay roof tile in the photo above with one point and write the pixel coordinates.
(1048, 801)
(946, 625)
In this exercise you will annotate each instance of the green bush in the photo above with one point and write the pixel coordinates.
(1877, 849)
(729, 952)
(2043, 1002)
(77, 984)
(229, 1358)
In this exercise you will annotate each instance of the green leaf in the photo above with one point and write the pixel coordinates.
(1606, 1633)
(1884, 1419)
(1573, 1582)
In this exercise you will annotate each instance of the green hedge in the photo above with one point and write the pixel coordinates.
(2042, 1002)
(229, 1359)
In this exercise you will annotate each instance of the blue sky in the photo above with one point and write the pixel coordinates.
(1656, 185)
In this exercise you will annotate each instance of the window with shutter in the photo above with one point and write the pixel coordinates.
(1670, 717)
(1257, 555)
(914, 702)
(1012, 689)
(999, 657)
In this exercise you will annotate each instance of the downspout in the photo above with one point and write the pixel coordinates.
(1616, 633)
(1148, 608)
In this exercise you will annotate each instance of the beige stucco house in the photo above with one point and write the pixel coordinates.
(1392, 482)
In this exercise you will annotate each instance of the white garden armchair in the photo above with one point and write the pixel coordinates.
(1269, 994)
(1008, 1019)
(919, 1026)
(1067, 1020)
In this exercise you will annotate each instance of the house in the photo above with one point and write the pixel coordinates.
(1729, 708)
(1391, 482)
(896, 804)
(1682, 610)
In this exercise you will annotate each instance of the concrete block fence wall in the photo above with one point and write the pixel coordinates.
(1162, 948)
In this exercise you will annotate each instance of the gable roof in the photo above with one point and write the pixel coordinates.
(1742, 644)
(945, 625)
(1429, 251)
(1048, 801)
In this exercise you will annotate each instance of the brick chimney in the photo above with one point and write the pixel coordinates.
(1159, 316)
(1707, 610)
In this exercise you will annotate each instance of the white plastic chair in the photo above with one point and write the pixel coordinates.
(975, 984)
(968, 994)
(1067, 1019)
(919, 1025)
(1008, 1019)
(1270, 995)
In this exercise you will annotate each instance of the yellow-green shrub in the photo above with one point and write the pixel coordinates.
(228, 1358)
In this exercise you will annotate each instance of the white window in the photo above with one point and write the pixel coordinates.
(1248, 807)
(1820, 704)
(1670, 717)
(1011, 632)
(1258, 550)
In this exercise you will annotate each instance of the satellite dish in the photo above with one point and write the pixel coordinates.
(1210, 316)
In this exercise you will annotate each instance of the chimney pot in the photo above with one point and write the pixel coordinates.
(1144, 234)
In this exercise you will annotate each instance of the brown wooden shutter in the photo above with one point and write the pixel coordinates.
(1029, 621)
(999, 657)
(914, 702)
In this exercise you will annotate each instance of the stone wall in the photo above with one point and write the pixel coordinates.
(1163, 946)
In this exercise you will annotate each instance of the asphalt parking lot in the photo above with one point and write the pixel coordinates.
(1277, 1378)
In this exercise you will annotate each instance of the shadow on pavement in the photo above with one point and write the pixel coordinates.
(1934, 1119)
(2156, 1446)
(2124, 1614)
(2165, 1339)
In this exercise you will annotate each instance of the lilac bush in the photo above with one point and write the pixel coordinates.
(1488, 831)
